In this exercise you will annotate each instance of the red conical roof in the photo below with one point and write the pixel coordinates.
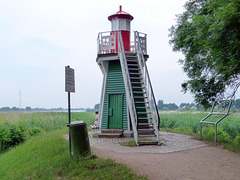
(120, 15)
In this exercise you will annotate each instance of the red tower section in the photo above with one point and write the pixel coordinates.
(121, 21)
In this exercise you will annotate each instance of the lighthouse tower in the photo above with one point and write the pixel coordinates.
(127, 105)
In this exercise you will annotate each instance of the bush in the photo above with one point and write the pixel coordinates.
(34, 131)
(237, 140)
(11, 135)
(14, 134)
(208, 133)
(183, 130)
(222, 136)
(4, 140)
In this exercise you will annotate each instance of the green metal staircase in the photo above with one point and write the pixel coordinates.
(140, 98)
(139, 92)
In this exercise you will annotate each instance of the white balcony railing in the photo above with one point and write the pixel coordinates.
(107, 43)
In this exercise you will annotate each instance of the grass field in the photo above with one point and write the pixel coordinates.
(46, 120)
(17, 127)
(189, 123)
(46, 155)
(42, 153)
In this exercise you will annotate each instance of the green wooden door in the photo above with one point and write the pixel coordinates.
(115, 111)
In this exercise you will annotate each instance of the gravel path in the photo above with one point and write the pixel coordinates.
(171, 143)
(181, 157)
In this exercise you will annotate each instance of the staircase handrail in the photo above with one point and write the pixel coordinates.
(143, 65)
(128, 86)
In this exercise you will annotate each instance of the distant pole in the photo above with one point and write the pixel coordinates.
(20, 100)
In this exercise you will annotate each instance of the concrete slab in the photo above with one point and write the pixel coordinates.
(172, 142)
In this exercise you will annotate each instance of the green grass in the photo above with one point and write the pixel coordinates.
(46, 156)
(45, 120)
(128, 143)
(189, 123)
(17, 127)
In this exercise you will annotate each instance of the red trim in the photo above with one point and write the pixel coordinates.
(125, 38)
(120, 15)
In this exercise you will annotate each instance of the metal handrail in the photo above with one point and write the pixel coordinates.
(128, 86)
(143, 65)
(212, 113)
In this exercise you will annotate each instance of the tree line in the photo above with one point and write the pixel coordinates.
(160, 105)
(28, 108)
(190, 106)
(173, 106)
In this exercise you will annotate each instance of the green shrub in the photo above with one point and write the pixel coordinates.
(237, 140)
(208, 133)
(16, 127)
(4, 140)
(34, 131)
(11, 135)
(183, 130)
(232, 129)
(14, 134)
(223, 137)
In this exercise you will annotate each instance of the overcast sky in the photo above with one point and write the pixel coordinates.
(38, 38)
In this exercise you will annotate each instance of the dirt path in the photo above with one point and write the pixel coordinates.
(202, 161)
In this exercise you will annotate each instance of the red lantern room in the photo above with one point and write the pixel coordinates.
(121, 22)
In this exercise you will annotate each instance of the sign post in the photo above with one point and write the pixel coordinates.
(69, 87)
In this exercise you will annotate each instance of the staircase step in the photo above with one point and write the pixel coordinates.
(146, 131)
(139, 97)
(110, 135)
(133, 69)
(139, 92)
(144, 118)
(132, 60)
(137, 87)
(144, 112)
(139, 102)
(136, 78)
(131, 56)
(138, 107)
(112, 131)
(144, 143)
(136, 65)
(134, 73)
(145, 127)
(146, 124)
(137, 82)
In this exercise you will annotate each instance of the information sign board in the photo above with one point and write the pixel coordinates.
(69, 79)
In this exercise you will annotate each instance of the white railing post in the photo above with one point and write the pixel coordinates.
(106, 42)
